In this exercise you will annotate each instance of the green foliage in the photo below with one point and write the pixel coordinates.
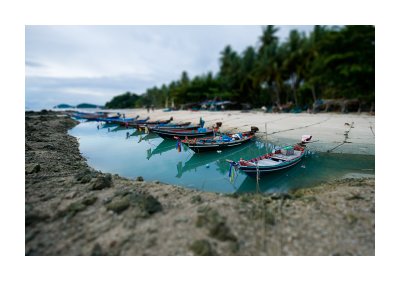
(330, 62)
(127, 100)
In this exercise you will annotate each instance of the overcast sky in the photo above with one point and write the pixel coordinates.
(75, 64)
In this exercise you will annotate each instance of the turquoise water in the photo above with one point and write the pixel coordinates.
(130, 153)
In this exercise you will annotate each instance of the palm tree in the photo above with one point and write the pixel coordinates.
(268, 68)
(247, 85)
(295, 60)
(229, 70)
(267, 37)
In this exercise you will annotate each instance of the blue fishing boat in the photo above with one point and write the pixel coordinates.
(165, 125)
(220, 142)
(117, 120)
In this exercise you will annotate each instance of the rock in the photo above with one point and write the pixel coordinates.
(89, 200)
(147, 203)
(102, 182)
(216, 225)
(75, 208)
(151, 242)
(202, 248)
(139, 178)
(234, 247)
(86, 178)
(33, 217)
(97, 250)
(196, 199)
(32, 168)
(150, 205)
(284, 196)
(118, 204)
(355, 196)
(78, 206)
(49, 147)
(221, 231)
(269, 217)
(70, 195)
(245, 198)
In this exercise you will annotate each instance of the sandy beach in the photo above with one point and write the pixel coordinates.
(72, 209)
(333, 132)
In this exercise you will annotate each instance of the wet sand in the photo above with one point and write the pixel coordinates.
(71, 209)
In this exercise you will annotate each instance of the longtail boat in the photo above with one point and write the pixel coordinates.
(180, 125)
(118, 121)
(165, 125)
(220, 142)
(279, 159)
(140, 123)
(174, 133)
(158, 122)
(136, 122)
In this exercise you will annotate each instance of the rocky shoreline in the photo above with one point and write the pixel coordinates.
(71, 209)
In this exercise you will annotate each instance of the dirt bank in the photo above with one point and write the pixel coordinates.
(71, 209)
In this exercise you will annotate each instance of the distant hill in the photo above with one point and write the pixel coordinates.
(63, 105)
(88, 105)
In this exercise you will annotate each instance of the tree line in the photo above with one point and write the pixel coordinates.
(328, 63)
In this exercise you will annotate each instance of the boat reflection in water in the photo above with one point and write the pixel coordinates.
(164, 146)
(107, 125)
(279, 181)
(119, 128)
(136, 132)
(151, 136)
(207, 158)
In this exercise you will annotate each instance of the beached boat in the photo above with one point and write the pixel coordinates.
(181, 125)
(173, 133)
(220, 142)
(279, 159)
(117, 120)
(140, 123)
(167, 125)
(136, 122)
(157, 122)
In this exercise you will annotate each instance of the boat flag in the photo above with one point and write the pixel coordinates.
(232, 169)
(201, 122)
(178, 145)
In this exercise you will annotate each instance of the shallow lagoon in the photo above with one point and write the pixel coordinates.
(131, 153)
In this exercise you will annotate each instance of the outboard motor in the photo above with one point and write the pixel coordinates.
(305, 138)
(254, 129)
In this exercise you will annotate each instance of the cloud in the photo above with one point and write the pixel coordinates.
(45, 92)
(33, 64)
(77, 62)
